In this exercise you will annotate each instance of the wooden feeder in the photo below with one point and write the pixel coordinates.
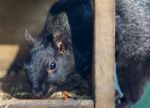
(17, 15)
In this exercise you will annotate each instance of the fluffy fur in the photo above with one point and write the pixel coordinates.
(132, 47)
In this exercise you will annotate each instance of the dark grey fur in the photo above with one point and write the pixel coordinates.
(44, 50)
(132, 47)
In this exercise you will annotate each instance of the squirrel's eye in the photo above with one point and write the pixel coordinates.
(52, 65)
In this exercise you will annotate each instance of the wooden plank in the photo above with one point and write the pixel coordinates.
(49, 104)
(104, 53)
(8, 54)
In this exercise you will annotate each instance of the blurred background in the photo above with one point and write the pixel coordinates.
(15, 17)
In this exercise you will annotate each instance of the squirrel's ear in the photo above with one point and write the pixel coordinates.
(60, 42)
(28, 37)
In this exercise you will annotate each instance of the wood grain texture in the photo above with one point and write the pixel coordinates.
(49, 104)
(7, 55)
(104, 54)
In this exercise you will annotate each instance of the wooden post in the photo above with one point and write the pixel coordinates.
(104, 53)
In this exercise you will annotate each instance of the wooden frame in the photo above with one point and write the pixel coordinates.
(104, 47)
(103, 83)
(48, 104)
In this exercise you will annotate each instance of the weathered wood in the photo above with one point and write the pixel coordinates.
(8, 54)
(49, 104)
(104, 53)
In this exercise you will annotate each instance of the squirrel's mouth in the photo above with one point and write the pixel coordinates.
(71, 81)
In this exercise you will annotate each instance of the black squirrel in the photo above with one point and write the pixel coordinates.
(132, 41)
